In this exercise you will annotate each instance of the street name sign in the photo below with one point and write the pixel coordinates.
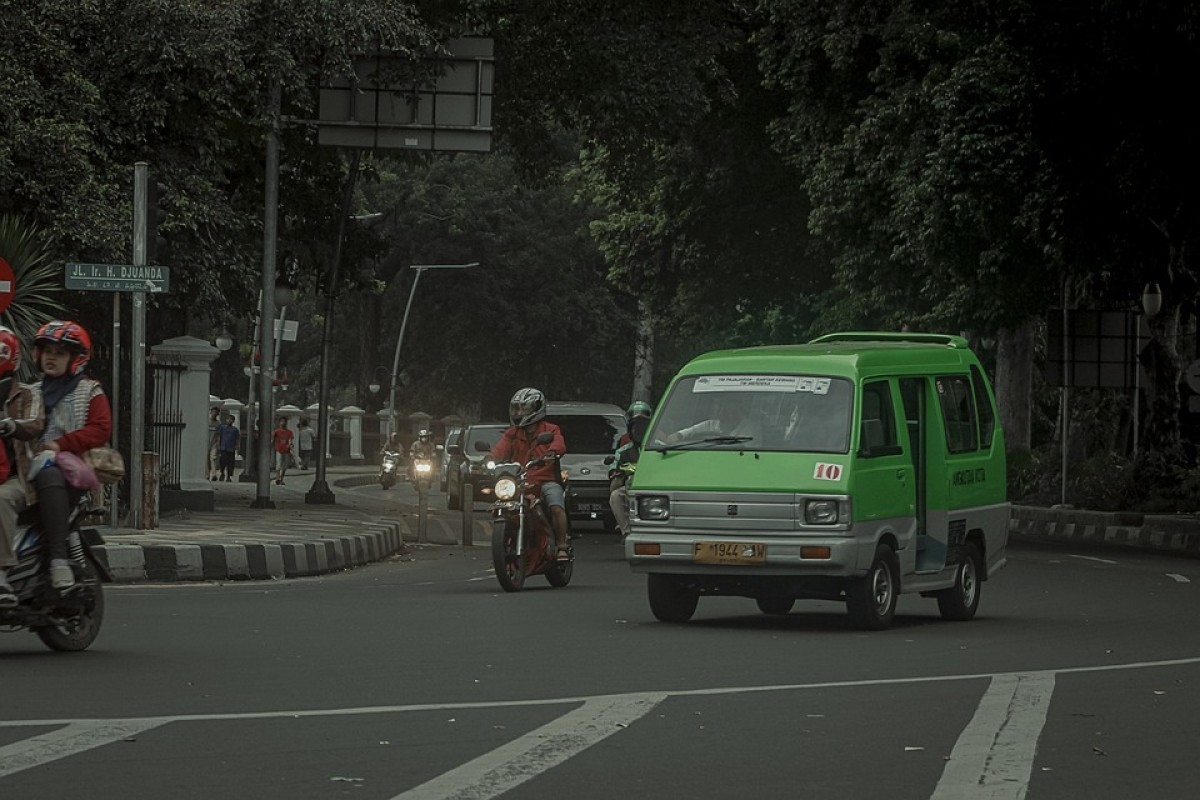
(118, 278)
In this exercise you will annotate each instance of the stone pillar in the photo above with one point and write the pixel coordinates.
(387, 423)
(291, 413)
(353, 415)
(196, 356)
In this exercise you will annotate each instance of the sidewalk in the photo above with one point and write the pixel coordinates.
(294, 539)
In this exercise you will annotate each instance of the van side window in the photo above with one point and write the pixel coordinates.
(878, 434)
(987, 419)
(958, 411)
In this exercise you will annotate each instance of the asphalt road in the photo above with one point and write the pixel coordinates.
(418, 677)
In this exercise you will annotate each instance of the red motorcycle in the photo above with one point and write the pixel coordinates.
(522, 534)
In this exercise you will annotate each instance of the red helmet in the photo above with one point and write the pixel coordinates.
(10, 351)
(70, 335)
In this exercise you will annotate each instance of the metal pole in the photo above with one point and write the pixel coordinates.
(114, 511)
(1137, 380)
(248, 454)
(396, 358)
(1066, 394)
(266, 330)
(137, 393)
(320, 492)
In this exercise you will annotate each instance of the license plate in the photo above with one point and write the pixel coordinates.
(729, 553)
(589, 506)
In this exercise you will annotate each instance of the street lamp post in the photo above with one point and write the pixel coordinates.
(1151, 305)
(420, 268)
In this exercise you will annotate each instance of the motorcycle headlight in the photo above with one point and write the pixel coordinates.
(423, 466)
(506, 489)
(654, 507)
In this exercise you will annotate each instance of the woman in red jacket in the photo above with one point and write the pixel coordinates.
(78, 418)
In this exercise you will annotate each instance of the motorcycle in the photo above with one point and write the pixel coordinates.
(522, 534)
(389, 464)
(65, 620)
(421, 474)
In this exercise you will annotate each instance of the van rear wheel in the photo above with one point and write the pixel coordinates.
(961, 601)
(669, 601)
(871, 599)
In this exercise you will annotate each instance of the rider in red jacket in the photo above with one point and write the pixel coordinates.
(527, 412)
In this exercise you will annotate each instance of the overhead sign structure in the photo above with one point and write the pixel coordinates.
(118, 278)
(383, 105)
(8, 285)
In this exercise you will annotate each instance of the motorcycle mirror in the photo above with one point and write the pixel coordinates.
(481, 446)
(545, 437)
(609, 459)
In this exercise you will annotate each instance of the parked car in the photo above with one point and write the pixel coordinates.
(591, 432)
(453, 437)
(466, 463)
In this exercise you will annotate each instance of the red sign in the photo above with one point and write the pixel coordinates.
(8, 285)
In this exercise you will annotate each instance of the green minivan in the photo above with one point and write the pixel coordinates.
(852, 468)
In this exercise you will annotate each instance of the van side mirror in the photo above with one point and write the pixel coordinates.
(454, 449)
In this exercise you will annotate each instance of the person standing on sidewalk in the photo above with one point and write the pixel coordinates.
(228, 436)
(305, 437)
(214, 452)
(282, 438)
(23, 422)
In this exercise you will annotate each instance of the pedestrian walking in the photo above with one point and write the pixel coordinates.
(228, 436)
(214, 452)
(282, 438)
(305, 438)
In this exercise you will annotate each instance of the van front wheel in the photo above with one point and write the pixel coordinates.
(669, 601)
(961, 601)
(871, 599)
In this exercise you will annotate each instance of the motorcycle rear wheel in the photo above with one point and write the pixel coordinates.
(510, 567)
(78, 633)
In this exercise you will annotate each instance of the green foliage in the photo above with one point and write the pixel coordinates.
(37, 295)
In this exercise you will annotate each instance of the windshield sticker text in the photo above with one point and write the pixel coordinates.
(760, 383)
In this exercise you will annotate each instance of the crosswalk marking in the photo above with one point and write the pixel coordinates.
(541, 749)
(993, 757)
(69, 740)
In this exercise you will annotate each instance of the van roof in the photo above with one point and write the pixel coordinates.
(842, 354)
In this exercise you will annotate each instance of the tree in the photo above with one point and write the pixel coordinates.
(37, 290)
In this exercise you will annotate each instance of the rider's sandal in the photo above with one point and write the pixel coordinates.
(563, 554)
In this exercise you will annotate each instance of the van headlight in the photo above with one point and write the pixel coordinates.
(506, 489)
(654, 507)
(821, 512)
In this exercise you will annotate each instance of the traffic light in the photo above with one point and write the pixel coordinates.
(158, 247)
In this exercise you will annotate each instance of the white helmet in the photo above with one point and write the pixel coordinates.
(526, 407)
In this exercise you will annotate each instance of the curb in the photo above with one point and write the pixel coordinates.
(133, 563)
(1177, 535)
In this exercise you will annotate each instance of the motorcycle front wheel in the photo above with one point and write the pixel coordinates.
(76, 633)
(510, 567)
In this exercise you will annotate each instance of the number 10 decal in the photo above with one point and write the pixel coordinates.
(827, 472)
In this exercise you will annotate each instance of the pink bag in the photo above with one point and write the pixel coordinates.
(77, 473)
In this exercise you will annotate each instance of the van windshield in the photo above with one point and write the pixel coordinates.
(787, 413)
(589, 433)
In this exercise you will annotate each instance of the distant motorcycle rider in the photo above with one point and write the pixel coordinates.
(23, 422)
(527, 412)
(421, 448)
(624, 461)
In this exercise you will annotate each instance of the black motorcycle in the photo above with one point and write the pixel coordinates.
(67, 619)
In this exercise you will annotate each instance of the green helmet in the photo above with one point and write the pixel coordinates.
(639, 408)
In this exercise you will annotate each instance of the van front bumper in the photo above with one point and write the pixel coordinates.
(676, 553)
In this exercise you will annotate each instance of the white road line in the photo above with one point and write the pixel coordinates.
(541, 749)
(1093, 558)
(1175, 576)
(68, 741)
(993, 757)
